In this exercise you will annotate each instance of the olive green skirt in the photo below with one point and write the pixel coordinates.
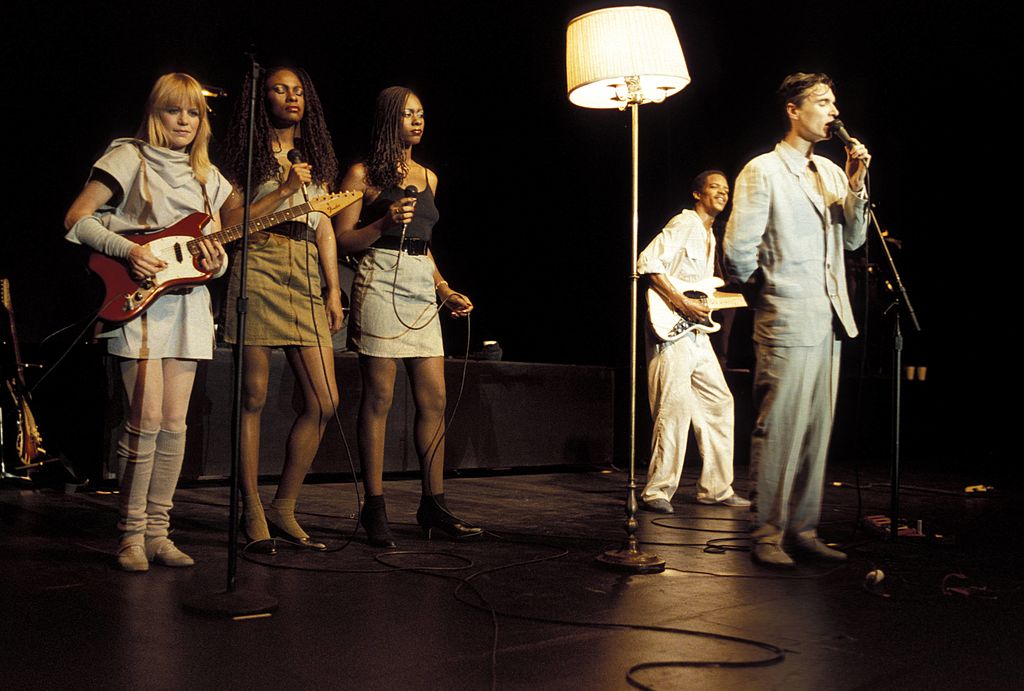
(286, 307)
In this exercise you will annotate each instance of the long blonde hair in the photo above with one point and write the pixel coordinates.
(172, 90)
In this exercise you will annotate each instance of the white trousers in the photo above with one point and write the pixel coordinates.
(686, 386)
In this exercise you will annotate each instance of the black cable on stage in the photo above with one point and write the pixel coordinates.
(441, 434)
(762, 576)
(323, 366)
(494, 613)
(464, 562)
(74, 341)
(662, 521)
(448, 572)
(777, 653)
(865, 327)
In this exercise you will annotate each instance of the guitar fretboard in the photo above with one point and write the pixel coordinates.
(255, 225)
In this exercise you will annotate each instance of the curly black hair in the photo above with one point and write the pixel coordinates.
(317, 146)
(386, 166)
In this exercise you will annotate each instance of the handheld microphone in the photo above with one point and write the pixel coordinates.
(838, 130)
(295, 156)
(409, 191)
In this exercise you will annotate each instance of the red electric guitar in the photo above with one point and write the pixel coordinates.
(178, 245)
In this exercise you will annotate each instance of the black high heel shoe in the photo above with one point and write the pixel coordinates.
(433, 513)
(374, 519)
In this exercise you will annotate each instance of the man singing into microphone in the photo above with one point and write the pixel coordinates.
(793, 214)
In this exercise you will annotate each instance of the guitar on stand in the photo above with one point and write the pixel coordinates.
(178, 245)
(20, 439)
(669, 325)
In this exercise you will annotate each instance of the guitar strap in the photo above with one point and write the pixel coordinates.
(147, 209)
(207, 208)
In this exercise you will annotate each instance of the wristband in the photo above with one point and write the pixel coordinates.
(90, 232)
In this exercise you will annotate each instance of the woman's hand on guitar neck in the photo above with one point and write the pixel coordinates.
(213, 255)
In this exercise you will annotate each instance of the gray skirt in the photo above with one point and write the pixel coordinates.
(179, 324)
(395, 317)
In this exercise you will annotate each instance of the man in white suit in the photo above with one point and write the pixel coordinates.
(685, 383)
(793, 214)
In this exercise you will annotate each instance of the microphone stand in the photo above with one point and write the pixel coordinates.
(231, 601)
(900, 302)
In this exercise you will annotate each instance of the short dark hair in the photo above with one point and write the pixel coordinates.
(794, 88)
(697, 186)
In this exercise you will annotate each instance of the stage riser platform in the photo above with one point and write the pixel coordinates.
(510, 414)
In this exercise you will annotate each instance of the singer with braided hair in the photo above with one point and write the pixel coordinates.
(286, 308)
(395, 308)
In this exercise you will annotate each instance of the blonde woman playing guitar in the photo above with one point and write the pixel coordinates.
(150, 182)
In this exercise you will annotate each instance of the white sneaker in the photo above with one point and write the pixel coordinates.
(132, 558)
(165, 553)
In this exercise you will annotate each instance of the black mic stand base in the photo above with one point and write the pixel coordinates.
(233, 603)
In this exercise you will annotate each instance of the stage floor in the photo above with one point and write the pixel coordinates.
(357, 618)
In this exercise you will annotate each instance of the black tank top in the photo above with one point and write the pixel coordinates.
(423, 220)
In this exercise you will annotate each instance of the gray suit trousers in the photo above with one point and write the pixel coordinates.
(795, 395)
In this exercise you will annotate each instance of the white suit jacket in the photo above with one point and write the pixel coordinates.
(796, 235)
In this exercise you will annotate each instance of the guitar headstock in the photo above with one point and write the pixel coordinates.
(331, 204)
(5, 289)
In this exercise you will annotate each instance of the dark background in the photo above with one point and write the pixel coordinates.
(534, 192)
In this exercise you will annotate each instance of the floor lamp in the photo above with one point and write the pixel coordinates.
(624, 57)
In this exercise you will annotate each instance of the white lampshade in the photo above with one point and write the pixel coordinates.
(604, 47)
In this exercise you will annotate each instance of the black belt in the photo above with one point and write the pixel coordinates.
(293, 230)
(412, 246)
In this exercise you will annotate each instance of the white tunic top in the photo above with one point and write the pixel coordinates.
(157, 189)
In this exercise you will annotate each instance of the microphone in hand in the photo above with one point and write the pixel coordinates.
(409, 191)
(295, 156)
(838, 130)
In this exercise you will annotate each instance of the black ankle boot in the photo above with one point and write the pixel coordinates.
(374, 519)
(433, 513)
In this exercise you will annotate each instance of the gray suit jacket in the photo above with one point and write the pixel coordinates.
(780, 225)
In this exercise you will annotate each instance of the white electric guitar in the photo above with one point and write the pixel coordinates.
(669, 325)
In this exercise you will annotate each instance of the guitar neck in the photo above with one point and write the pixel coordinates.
(721, 301)
(8, 304)
(235, 232)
